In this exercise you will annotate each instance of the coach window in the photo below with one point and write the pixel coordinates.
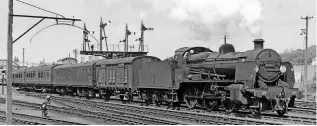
(125, 74)
(48, 73)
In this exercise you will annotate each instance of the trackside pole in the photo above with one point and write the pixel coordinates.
(2, 87)
(9, 66)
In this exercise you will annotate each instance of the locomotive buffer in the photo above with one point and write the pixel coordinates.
(113, 54)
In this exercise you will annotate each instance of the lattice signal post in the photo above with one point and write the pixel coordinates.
(111, 54)
(141, 39)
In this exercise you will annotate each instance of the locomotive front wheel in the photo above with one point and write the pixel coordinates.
(282, 112)
(259, 110)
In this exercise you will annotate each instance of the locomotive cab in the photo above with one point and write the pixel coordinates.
(183, 54)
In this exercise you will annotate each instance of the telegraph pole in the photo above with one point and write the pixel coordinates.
(9, 66)
(305, 31)
(10, 49)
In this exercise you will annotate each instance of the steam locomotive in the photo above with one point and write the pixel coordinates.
(256, 79)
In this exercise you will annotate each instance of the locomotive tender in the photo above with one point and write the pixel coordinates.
(256, 79)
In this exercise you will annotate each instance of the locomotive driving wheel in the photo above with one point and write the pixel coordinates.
(211, 105)
(190, 102)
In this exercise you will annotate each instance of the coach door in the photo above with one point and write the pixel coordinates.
(101, 76)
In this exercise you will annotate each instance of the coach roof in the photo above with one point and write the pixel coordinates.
(40, 67)
(76, 65)
(123, 60)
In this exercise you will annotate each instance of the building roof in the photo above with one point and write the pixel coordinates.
(3, 63)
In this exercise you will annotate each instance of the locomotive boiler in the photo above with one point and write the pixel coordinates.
(256, 79)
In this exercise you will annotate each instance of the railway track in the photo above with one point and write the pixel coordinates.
(184, 110)
(19, 121)
(118, 118)
(151, 111)
(183, 116)
(311, 111)
(42, 120)
(116, 111)
(305, 104)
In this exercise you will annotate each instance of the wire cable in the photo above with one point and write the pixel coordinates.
(40, 8)
(62, 24)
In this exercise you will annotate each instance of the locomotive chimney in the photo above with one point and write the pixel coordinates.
(258, 44)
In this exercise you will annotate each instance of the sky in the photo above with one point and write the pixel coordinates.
(176, 23)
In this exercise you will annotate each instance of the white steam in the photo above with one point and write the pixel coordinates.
(246, 13)
(206, 17)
